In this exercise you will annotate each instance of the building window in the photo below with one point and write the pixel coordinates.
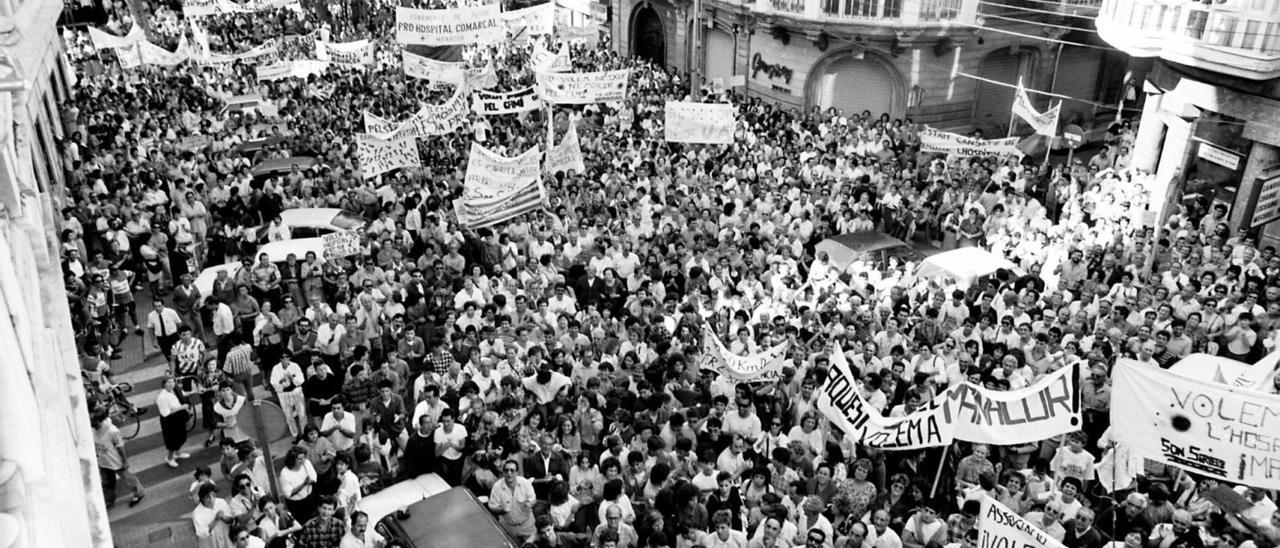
(1171, 23)
(1250, 38)
(1271, 43)
(1196, 21)
(44, 173)
(1224, 29)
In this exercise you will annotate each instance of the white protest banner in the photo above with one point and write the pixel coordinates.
(342, 244)
(1256, 376)
(270, 48)
(290, 69)
(194, 142)
(932, 140)
(491, 213)
(378, 156)
(491, 104)
(203, 8)
(492, 177)
(1000, 527)
(151, 54)
(699, 122)
(417, 66)
(763, 366)
(358, 53)
(103, 40)
(533, 21)
(566, 155)
(128, 57)
(1218, 431)
(580, 88)
(481, 78)
(968, 412)
(587, 35)
(470, 25)
(429, 120)
(1045, 123)
(544, 60)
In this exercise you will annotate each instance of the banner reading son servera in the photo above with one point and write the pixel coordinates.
(967, 412)
(688, 122)
(1214, 430)
(566, 155)
(763, 366)
(932, 140)
(581, 88)
(469, 25)
(491, 176)
(378, 156)
(1000, 527)
(475, 216)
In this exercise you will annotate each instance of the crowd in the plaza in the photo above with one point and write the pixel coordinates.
(550, 363)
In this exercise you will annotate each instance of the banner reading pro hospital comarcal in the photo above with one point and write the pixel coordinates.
(1228, 433)
(581, 88)
(932, 140)
(968, 412)
(469, 25)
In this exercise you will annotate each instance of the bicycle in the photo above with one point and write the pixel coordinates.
(123, 414)
(182, 382)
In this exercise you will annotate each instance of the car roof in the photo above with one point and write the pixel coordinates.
(279, 251)
(283, 165)
(401, 495)
(318, 216)
(453, 519)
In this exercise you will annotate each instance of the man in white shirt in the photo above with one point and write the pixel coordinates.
(880, 535)
(327, 338)
(287, 379)
(360, 535)
(340, 427)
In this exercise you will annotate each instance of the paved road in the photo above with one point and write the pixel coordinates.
(163, 518)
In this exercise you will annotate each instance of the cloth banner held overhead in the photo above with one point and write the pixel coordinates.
(586, 35)
(1000, 527)
(491, 176)
(968, 412)
(566, 155)
(266, 50)
(103, 40)
(531, 21)
(352, 54)
(478, 24)
(290, 69)
(203, 8)
(1218, 431)
(475, 216)
(417, 66)
(932, 140)
(699, 123)
(1045, 123)
(429, 120)
(580, 88)
(378, 156)
(491, 104)
(544, 60)
(480, 78)
(763, 366)
(152, 54)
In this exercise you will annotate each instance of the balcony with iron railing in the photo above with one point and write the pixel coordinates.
(1235, 37)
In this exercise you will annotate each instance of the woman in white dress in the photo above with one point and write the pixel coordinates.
(211, 518)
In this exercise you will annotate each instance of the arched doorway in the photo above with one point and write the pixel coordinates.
(648, 39)
(857, 81)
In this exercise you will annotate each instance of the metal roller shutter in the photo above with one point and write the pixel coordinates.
(719, 54)
(854, 85)
(991, 114)
(1078, 70)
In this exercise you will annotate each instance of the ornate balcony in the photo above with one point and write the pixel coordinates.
(885, 13)
(1235, 37)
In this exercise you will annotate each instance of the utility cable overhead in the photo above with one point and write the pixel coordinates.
(1032, 10)
(1034, 37)
(1040, 23)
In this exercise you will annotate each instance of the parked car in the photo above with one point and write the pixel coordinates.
(425, 513)
(277, 253)
(311, 222)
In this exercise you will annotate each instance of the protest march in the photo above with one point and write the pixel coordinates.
(469, 242)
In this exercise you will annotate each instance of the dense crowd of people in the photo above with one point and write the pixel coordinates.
(551, 363)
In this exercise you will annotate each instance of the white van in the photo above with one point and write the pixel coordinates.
(277, 253)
